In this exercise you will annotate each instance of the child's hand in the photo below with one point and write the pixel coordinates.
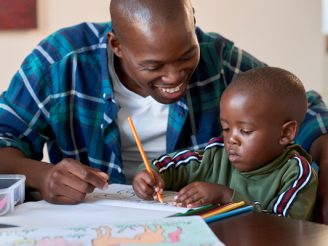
(146, 187)
(201, 193)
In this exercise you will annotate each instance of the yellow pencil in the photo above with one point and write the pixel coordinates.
(143, 154)
(223, 209)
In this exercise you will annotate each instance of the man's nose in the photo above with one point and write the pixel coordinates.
(172, 74)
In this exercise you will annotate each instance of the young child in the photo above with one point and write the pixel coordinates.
(260, 113)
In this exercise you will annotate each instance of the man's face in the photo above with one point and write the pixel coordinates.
(158, 61)
(251, 130)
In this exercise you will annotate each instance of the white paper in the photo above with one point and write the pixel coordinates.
(124, 196)
(100, 207)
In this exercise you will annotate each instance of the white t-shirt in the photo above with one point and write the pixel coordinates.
(150, 120)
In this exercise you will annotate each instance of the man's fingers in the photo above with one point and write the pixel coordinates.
(62, 179)
(86, 174)
(64, 200)
(63, 194)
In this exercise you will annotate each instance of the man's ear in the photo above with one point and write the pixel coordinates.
(114, 44)
(288, 132)
(193, 12)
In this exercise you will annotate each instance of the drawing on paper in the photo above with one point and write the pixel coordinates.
(123, 196)
(167, 231)
(125, 192)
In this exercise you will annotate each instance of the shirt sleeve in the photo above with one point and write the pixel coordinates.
(297, 195)
(315, 122)
(179, 169)
(185, 167)
(24, 109)
(236, 61)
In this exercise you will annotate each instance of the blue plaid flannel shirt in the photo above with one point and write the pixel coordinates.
(62, 96)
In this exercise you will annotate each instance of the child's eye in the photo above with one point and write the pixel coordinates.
(225, 129)
(246, 132)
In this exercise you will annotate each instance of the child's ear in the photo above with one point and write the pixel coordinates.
(114, 43)
(288, 132)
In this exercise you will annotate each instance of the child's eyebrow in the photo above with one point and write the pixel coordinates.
(245, 122)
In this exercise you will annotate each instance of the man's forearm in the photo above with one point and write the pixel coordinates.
(13, 161)
(319, 152)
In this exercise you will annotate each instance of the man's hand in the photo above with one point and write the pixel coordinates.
(319, 152)
(146, 187)
(201, 193)
(69, 181)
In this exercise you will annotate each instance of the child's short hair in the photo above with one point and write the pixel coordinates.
(279, 87)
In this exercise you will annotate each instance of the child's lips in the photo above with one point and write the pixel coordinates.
(233, 156)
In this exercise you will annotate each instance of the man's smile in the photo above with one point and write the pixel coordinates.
(172, 90)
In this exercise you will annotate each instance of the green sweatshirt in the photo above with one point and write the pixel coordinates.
(286, 187)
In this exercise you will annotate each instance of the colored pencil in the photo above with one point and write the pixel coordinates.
(229, 214)
(196, 211)
(223, 209)
(218, 207)
(143, 154)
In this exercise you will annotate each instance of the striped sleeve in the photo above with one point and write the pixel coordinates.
(286, 199)
(184, 167)
(166, 162)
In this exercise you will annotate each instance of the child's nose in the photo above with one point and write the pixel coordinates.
(233, 139)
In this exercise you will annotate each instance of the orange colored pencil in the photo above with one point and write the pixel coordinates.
(223, 209)
(143, 154)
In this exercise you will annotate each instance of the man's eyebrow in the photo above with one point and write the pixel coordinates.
(150, 62)
(145, 62)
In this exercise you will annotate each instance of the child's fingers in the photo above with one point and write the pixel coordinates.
(143, 186)
(191, 199)
(188, 189)
(148, 178)
(195, 204)
(159, 182)
(186, 196)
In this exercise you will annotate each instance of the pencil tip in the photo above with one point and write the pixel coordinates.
(160, 198)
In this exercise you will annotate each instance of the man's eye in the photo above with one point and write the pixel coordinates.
(150, 69)
(187, 58)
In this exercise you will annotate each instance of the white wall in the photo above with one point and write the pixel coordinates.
(52, 15)
(285, 33)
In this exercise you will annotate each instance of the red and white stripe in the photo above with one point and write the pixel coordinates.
(286, 199)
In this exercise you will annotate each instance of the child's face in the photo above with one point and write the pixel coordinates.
(251, 130)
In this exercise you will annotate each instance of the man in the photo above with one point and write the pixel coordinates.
(76, 89)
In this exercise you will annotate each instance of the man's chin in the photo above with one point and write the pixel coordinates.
(168, 100)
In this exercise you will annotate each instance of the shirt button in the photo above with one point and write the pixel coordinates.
(104, 95)
(102, 126)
